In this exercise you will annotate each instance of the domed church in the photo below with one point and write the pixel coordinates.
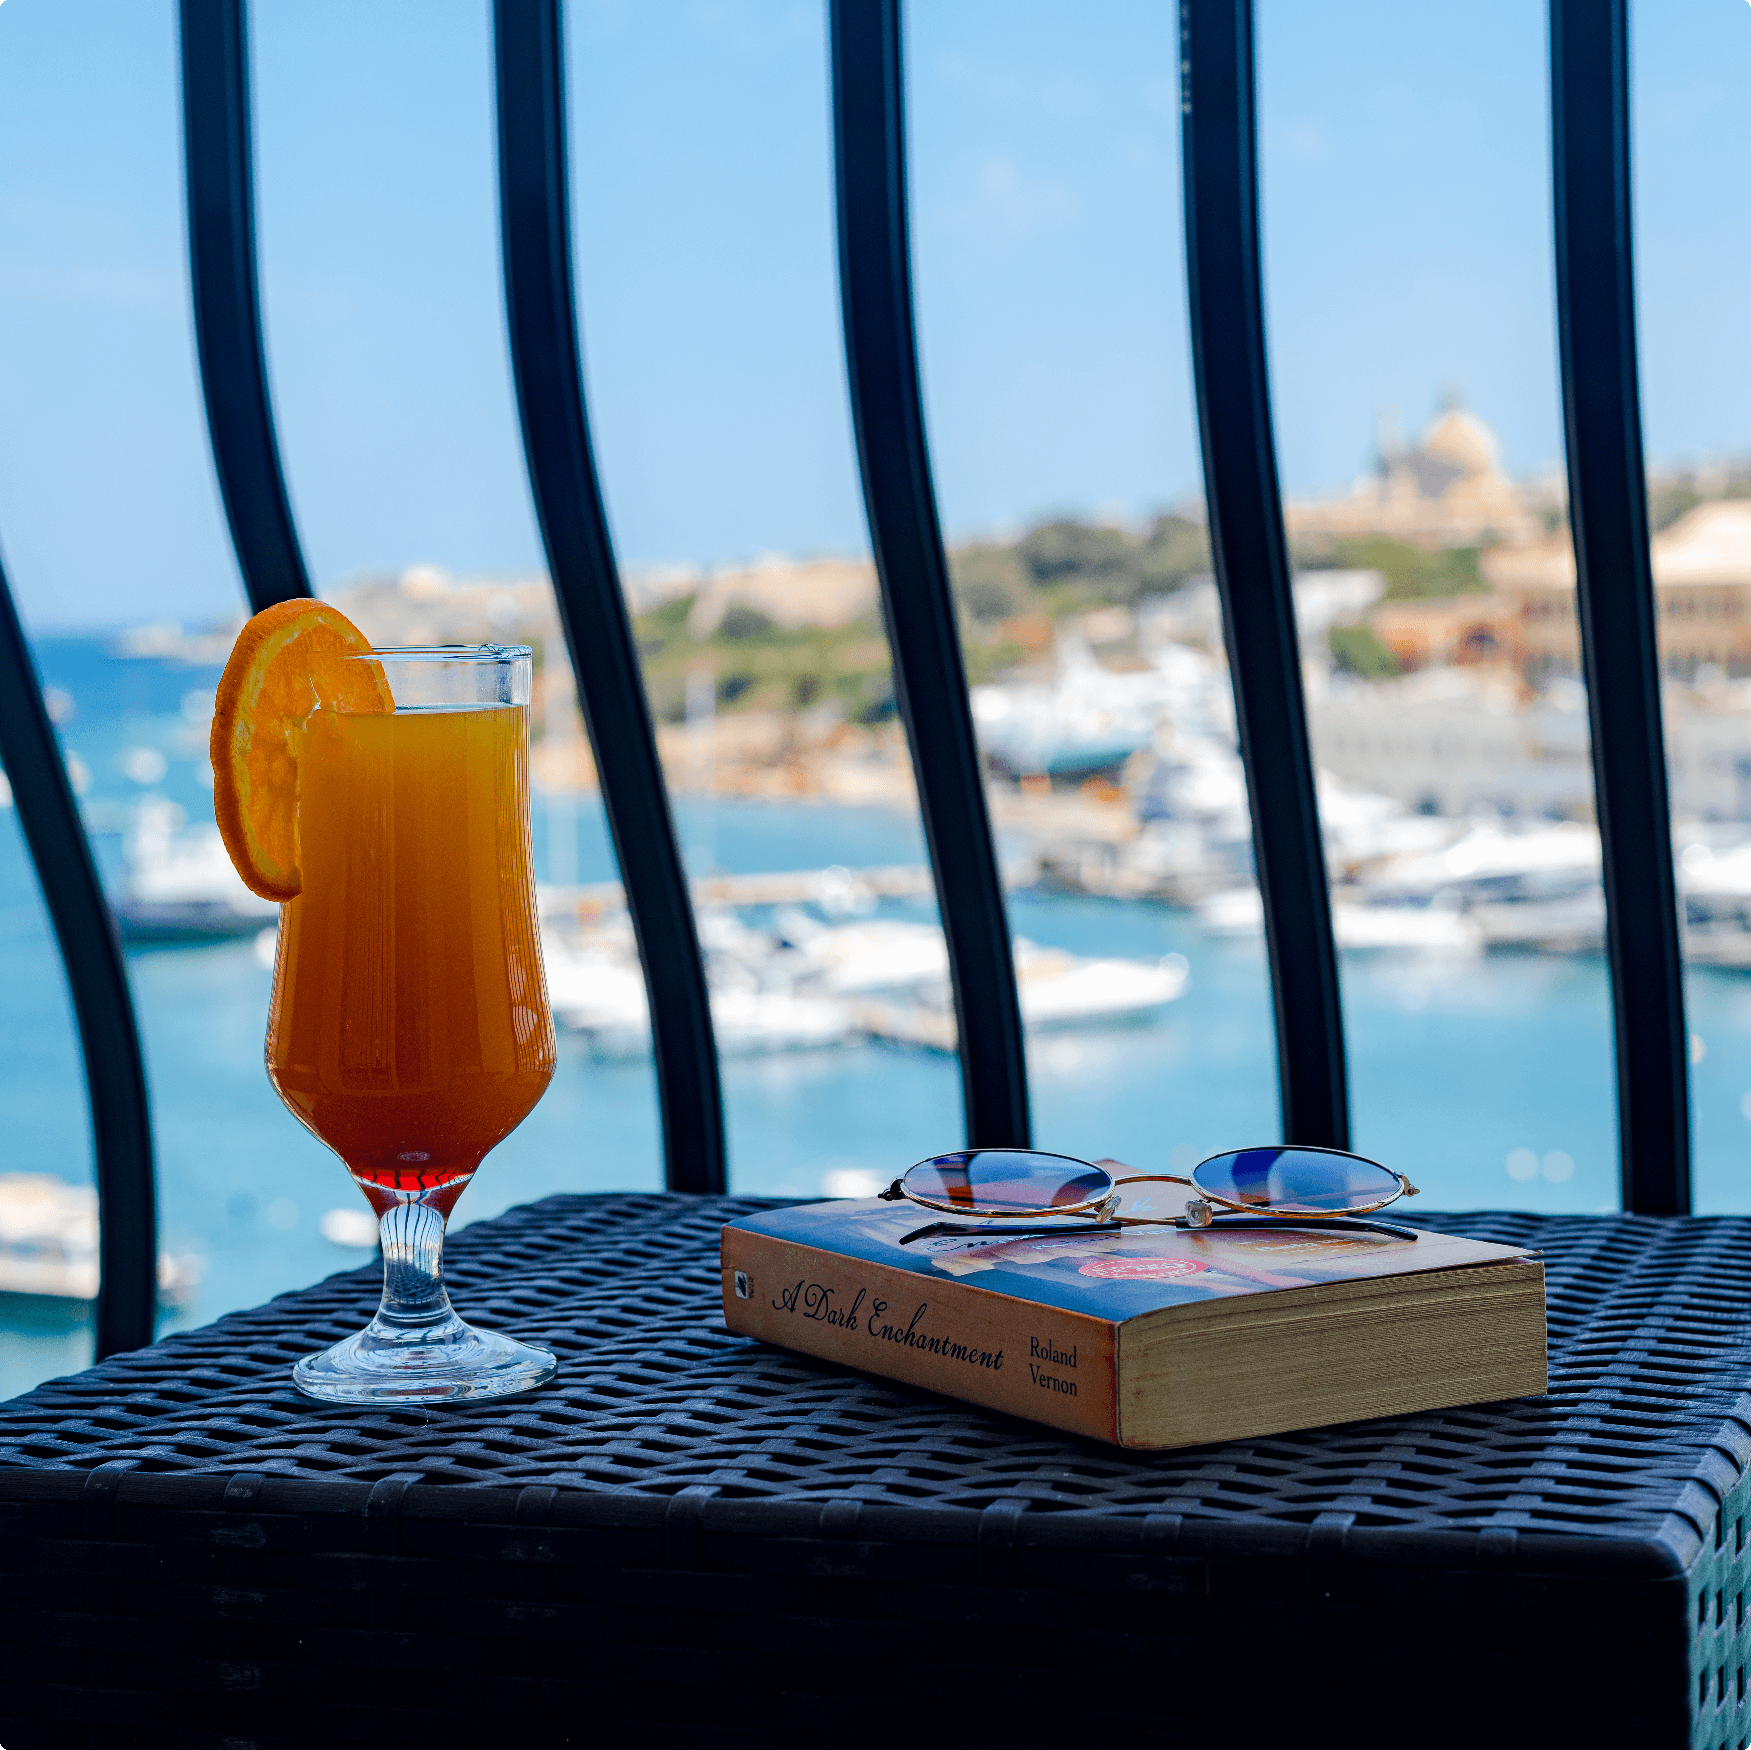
(1445, 490)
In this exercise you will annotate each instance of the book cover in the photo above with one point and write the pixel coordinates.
(1064, 1327)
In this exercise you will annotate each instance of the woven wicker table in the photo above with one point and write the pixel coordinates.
(715, 1541)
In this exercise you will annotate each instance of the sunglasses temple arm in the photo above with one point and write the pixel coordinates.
(1307, 1224)
(1056, 1229)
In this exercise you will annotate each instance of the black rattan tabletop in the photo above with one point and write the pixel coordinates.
(1647, 1422)
(659, 1418)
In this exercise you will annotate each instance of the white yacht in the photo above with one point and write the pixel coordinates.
(1495, 887)
(1437, 927)
(809, 984)
(180, 883)
(48, 1243)
(1526, 888)
(1057, 990)
(597, 990)
(1089, 719)
(1430, 924)
(1715, 888)
(863, 958)
(1234, 912)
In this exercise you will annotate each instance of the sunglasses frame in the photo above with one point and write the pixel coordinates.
(1200, 1212)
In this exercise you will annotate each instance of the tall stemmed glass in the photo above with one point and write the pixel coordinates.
(409, 1027)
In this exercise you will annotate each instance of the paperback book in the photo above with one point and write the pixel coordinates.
(1145, 1336)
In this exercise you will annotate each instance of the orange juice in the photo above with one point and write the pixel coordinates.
(409, 1027)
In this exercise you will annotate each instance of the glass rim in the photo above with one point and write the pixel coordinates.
(483, 654)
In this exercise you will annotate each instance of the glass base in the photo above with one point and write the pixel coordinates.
(451, 1363)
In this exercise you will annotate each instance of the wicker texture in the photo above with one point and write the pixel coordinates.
(1649, 1360)
(1579, 1530)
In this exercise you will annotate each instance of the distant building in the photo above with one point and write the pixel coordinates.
(1192, 614)
(1496, 720)
(792, 593)
(1446, 743)
(1702, 581)
(1463, 743)
(1445, 490)
(425, 605)
(1462, 631)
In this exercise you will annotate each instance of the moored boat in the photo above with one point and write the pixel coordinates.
(180, 884)
(48, 1244)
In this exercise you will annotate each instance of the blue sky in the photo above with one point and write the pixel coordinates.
(1407, 223)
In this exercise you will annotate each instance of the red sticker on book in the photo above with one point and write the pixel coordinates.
(1144, 1269)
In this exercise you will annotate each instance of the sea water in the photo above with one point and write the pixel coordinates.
(1488, 1081)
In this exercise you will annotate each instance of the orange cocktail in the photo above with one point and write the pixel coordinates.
(409, 1027)
(382, 796)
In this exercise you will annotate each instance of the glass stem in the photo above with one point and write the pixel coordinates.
(414, 1298)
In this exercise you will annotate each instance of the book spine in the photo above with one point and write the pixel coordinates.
(992, 1349)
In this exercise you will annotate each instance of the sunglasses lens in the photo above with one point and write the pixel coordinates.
(1006, 1181)
(1292, 1180)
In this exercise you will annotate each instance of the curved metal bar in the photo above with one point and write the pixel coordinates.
(930, 679)
(1252, 560)
(1608, 511)
(115, 1071)
(546, 360)
(227, 301)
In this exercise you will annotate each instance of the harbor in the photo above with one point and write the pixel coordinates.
(1475, 996)
(1113, 780)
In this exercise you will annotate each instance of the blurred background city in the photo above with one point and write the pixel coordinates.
(1407, 230)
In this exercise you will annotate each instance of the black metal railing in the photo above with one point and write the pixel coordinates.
(218, 164)
(1224, 276)
(930, 680)
(1607, 495)
(547, 364)
(1608, 513)
(109, 1036)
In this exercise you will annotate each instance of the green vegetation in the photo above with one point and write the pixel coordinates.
(1009, 592)
(762, 667)
(1671, 496)
(1056, 568)
(1411, 573)
(1359, 650)
(1670, 500)
(1065, 566)
(743, 625)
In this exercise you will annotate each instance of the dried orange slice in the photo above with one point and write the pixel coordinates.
(288, 661)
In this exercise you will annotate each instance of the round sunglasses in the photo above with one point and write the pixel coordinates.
(1281, 1183)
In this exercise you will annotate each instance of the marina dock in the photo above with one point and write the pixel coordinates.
(835, 888)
